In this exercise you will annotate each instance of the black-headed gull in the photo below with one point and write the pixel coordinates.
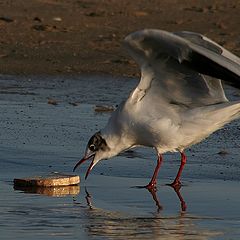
(178, 102)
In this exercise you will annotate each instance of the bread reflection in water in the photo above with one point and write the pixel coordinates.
(51, 191)
(116, 225)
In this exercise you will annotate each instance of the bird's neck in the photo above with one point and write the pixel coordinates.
(116, 142)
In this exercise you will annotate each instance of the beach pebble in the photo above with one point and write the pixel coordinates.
(6, 19)
(140, 14)
(52, 180)
(223, 152)
(57, 19)
(104, 108)
(52, 101)
(74, 104)
(37, 19)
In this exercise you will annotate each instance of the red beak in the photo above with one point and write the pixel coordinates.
(82, 161)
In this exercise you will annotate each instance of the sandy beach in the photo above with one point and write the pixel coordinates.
(72, 37)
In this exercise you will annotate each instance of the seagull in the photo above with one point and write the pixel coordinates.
(178, 102)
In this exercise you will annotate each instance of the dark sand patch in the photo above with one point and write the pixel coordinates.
(71, 37)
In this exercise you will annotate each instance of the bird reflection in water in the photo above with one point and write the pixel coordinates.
(176, 189)
(116, 225)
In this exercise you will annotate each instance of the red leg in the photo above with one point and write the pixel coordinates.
(177, 181)
(153, 182)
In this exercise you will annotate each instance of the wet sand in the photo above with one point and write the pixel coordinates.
(72, 37)
(40, 137)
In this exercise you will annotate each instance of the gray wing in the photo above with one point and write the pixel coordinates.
(173, 66)
(207, 43)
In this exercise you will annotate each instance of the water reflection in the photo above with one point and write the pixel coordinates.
(155, 199)
(51, 191)
(153, 192)
(117, 225)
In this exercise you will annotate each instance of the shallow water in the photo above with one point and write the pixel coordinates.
(37, 138)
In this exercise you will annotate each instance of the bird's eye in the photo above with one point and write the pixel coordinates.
(92, 147)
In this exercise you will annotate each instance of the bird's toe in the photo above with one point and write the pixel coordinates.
(176, 185)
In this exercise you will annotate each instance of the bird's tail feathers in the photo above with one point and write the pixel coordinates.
(216, 116)
(211, 118)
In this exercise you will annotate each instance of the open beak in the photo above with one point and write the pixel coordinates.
(87, 156)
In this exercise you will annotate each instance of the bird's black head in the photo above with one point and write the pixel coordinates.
(96, 150)
(96, 143)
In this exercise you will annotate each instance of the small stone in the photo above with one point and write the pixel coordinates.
(3, 55)
(93, 14)
(37, 19)
(6, 19)
(39, 27)
(42, 27)
(74, 104)
(104, 108)
(223, 152)
(140, 14)
(52, 101)
(57, 19)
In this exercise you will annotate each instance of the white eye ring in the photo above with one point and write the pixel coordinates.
(92, 147)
